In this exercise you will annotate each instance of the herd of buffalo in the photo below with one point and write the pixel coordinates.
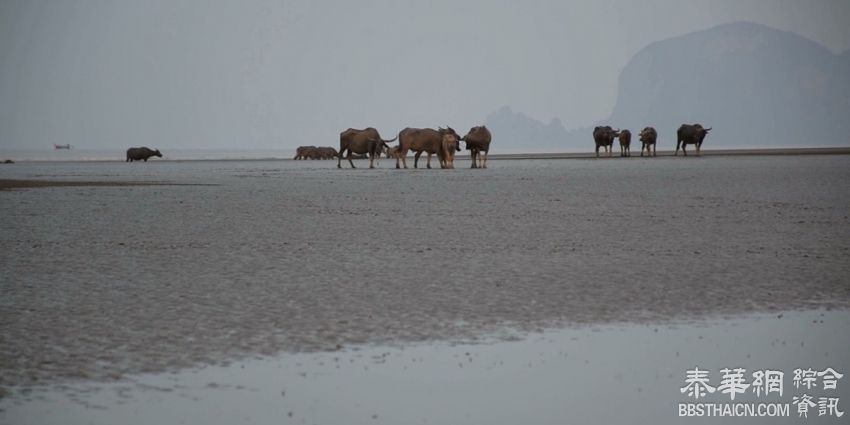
(444, 142)
(687, 134)
(368, 143)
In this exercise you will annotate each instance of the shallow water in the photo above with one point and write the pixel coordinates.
(618, 373)
(102, 282)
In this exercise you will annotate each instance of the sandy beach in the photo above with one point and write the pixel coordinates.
(230, 260)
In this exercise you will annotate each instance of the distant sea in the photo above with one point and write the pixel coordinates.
(82, 154)
(99, 155)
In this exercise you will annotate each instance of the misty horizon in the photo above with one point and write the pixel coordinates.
(272, 76)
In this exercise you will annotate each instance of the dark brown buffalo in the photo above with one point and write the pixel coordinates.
(366, 141)
(604, 136)
(327, 152)
(304, 152)
(692, 134)
(625, 143)
(648, 136)
(141, 154)
(477, 141)
(443, 142)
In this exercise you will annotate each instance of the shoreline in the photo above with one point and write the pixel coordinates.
(502, 156)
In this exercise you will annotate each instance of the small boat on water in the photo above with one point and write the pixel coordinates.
(66, 146)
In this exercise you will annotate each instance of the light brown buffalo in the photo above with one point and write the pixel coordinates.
(443, 142)
(477, 141)
(625, 142)
(366, 141)
(392, 152)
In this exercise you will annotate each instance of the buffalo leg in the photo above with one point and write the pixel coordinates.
(597, 151)
(339, 158)
(678, 142)
(349, 159)
(485, 159)
(699, 146)
(428, 164)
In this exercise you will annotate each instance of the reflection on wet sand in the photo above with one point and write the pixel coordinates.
(554, 377)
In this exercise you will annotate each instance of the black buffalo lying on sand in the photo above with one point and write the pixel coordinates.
(604, 136)
(477, 141)
(625, 143)
(692, 134)
(366, 141)
(312, 152)
(141, 154)
(327, 152)
(648, 136)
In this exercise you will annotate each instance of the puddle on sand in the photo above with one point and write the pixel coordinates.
(609, 374)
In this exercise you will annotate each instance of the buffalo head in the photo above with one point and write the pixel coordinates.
(450, 131)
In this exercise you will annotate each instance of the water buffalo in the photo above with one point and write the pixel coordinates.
(366, 141)
(443, 142)
(625, 143)
(304, 152)
(604, 136)
(692, 134)
(477, 141)
(392, 152)
(141, 154)
(327, 152)
(648, 136)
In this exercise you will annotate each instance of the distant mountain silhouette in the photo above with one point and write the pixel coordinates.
(755, 85)
(523, 133)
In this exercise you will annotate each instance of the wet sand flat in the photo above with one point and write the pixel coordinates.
(6, 184)
(98, 282)
(554, 377)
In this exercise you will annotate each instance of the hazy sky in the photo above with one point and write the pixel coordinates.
(267, 74)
